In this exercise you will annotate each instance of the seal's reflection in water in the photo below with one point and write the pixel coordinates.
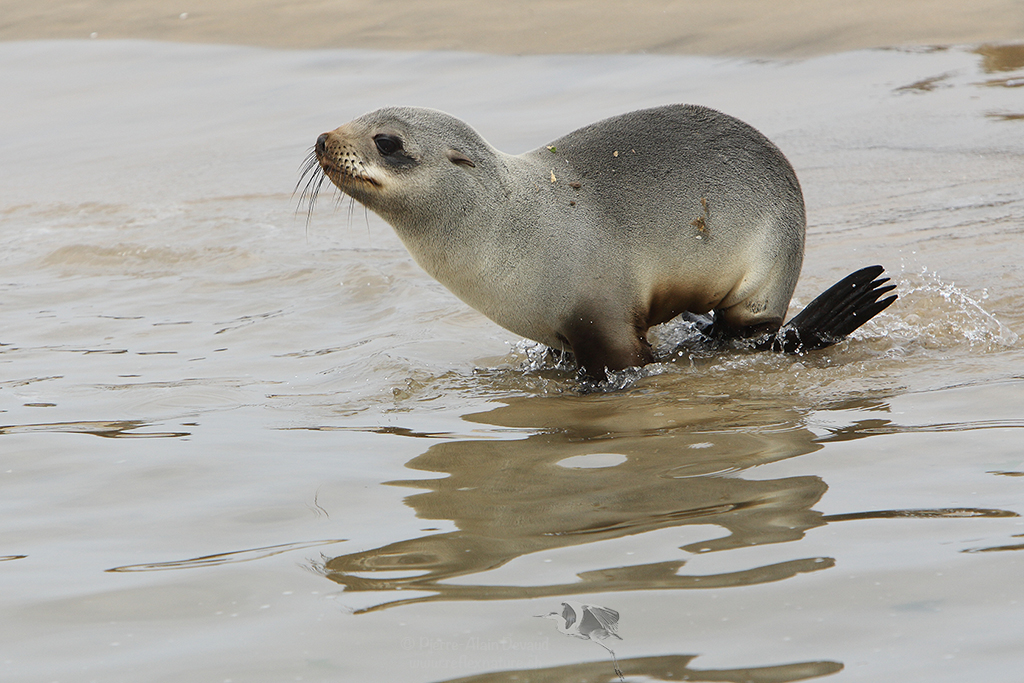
(683, 464)
(665, 668)
(512, 498)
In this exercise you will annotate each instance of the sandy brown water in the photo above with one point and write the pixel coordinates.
(237, 447)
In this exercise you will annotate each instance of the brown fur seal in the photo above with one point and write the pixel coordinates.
(588, 241)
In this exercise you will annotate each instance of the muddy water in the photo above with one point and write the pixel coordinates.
(237, 447)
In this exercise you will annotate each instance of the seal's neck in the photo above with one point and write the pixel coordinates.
(461, 236)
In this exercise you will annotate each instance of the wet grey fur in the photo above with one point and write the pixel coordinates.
(584, 243)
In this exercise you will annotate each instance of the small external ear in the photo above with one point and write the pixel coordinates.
(459, 158)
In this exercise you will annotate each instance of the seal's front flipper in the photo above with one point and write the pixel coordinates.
(600, 344)
(837, 312)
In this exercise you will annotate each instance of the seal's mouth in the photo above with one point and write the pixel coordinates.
(345, 177)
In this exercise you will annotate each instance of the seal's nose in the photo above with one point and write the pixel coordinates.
(321, 144)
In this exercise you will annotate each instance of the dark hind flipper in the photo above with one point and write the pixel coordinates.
(834, 314)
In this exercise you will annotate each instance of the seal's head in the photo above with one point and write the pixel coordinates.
(402, 161)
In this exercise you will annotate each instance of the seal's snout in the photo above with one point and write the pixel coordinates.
(339, 157)
(321, 145)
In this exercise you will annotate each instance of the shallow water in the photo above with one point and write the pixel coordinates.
(315, 463)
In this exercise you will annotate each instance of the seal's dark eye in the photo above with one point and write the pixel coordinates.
(387, 144)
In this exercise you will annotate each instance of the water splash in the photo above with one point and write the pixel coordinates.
(939, 315)
(537, 357)
(540, 360)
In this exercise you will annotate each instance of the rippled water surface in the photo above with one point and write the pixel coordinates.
(237, 446)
